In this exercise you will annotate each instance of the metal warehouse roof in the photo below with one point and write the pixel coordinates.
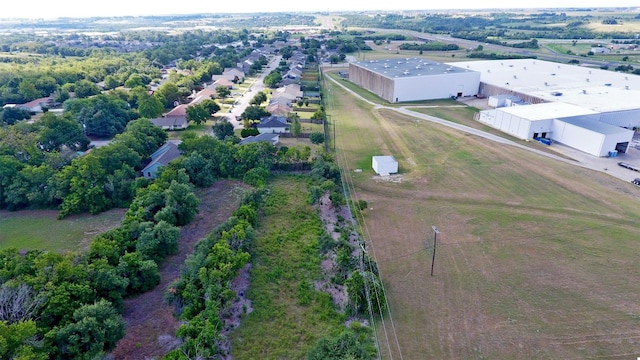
(595, 89)
(546, 111)
(592, 123)
(408, 67)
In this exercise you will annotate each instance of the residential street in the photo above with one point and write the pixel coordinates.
(257, 86)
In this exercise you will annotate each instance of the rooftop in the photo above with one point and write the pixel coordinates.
(409, 67)
(591, 88)
(592, 123)
(546, 111)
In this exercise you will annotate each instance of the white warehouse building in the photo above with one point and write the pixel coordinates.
(588, 109)
(413, 79)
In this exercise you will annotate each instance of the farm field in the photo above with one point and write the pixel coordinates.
(536, 258)
(40, 229)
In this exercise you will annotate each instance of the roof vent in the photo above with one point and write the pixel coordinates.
(587, 79)
(607, 84)
(406, 72)
(546, 83)
(584, 91)
(525, 68)
(556, 93)
(515, 76)
(553, 74)
(626, 87)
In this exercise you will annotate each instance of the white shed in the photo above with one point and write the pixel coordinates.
(385, 165)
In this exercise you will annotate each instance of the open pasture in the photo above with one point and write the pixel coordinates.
(536, 258)
(41, 230)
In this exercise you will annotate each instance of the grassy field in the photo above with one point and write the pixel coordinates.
(536, 258)
(40, 229)
(285, 266)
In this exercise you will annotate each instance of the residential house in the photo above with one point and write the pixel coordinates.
(161, 157)
(291, 92)
(278, 109)
(231, 74)
(223, 82)
(273, 138)
(171, 122)
(279, 100)
(273, 124)
(180, 110)
(206, 93)
(34, 105)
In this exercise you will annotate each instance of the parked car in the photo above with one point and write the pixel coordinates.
(636, 181)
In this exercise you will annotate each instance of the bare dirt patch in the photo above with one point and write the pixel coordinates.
(151, 325)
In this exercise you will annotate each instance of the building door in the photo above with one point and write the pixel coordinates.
(535, 135)
(459, 94)
(622, 147)
(544, 135)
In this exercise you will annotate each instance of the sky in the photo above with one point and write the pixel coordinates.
(89, 8)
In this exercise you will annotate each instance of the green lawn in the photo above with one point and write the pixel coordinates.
(40, 229)
(285, 265)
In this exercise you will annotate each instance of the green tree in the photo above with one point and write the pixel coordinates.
(222, 91)
(197, 113)
(181, 205)
(316, 138)
(168, 93)
(28, 90)
(143, 274)
(211, 106)
(254, 113)
(46, 85)
(85, 88)
(95, 331)
(17, 340)
(272, 79)
(296, 127)
(222, 129)
(111, 82)
(150, 107)
(133, 81)
(159, 241)
(59, 131)
(345, 346)
(11, 115)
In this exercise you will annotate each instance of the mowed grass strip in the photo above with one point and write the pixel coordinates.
(288, 316)
(41, 230)
(536, 258)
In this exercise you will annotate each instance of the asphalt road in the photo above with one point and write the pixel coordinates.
(258, 85)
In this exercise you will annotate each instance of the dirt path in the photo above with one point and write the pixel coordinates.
(151, 326)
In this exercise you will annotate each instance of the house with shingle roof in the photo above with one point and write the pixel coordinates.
(273, 138)
(180, 110)
(278, 109)
(273, 124)
(161, 157)
(171, 122)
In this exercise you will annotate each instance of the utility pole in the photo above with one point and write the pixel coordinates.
(435, 241)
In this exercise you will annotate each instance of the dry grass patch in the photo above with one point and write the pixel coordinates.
(536, 259)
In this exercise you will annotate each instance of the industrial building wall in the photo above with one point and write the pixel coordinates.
(627, 118)
(371, 81)
(436, 86)
(611, 140)
(514, 125)
(492, 90)
(579, 138)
